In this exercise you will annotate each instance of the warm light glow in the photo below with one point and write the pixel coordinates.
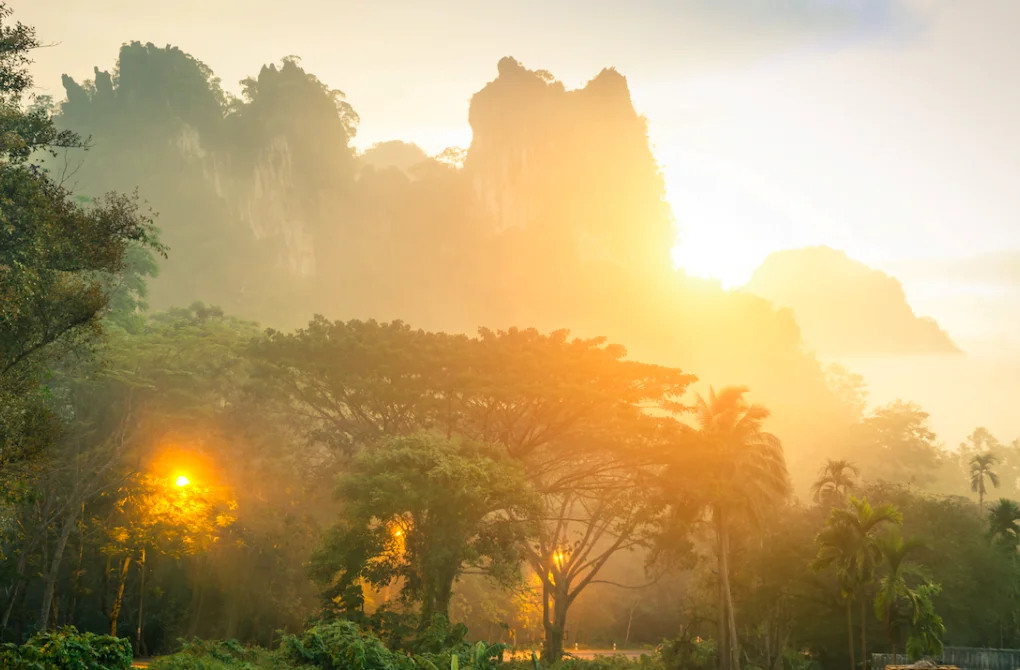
(558, 558)
(182, 481)
(398, 533)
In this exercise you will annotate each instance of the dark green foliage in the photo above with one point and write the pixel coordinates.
(56, 256)
(420, 509)
(341, 645)
(220, 655)
(687, 653)
(67, 649)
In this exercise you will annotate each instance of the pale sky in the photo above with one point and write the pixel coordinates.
(889, 129)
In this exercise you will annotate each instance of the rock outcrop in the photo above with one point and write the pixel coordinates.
(845, 307)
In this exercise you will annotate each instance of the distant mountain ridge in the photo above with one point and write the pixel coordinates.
(844, 307)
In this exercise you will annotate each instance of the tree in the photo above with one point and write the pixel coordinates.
(849, 387)
(54, 255)
(167, 513)
(837, 549)
(836, 480)
(737, 471)
(849, 544)
(895, 443)
(587, 426)
(926, 626)
(166, 380)
(980, 441)
(893, 590)
(423, 508)
(980, 469)
(1004, 523)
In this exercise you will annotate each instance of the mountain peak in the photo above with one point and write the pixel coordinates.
(845, 307)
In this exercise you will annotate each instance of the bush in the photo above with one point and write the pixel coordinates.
(218, 655)
(685, 653)
(67, 649)
(341, 645)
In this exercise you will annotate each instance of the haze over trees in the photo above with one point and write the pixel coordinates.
(346, 485)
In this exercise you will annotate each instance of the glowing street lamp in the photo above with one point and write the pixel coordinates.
(182, 481)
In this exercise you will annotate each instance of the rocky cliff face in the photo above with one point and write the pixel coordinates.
(845, 307)
(261, 192)
(573, 164)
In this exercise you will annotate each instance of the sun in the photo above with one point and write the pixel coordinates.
(709, 259)
(182, 481)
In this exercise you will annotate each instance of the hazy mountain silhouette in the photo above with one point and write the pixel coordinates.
(557, 219)
(401, 155)
(845, 307)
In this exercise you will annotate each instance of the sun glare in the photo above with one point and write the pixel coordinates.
(182, 481)
(706, 262)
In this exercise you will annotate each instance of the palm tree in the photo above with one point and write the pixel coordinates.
(856, 527)
(741, 472)
(1004, 523)
(892, 588)
(835, 480)
(981, 467)
(926, 626)
(837, 547)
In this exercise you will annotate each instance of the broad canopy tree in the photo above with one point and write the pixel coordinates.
(585, 425)
(419, 510)
(54, 254)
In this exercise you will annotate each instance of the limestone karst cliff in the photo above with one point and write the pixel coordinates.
(557, 219)
(574, 163)
(845, 307)
(240, 185)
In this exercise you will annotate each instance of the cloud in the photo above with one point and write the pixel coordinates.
(860, 17)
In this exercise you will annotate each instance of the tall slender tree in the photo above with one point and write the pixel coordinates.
(1004, 523)
(837, 548)
(836, 480)
(981, 469)
(740, 472)
(893, 590)
(857, 525)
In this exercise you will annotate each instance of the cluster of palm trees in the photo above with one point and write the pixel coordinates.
(1004, 516)
(862, 545)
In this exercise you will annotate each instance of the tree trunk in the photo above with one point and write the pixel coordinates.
(119, 598)
(723, 651)
(104, 596)
(197, 598)
(19, 583)
(731, 620)
(864, 634)
(630, 622)
(850, 632)
(50, 580)
(141, 604)
(552, 649)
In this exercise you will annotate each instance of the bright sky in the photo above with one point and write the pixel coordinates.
(887, 128)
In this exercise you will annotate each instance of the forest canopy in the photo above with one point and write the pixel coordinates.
(227, 427)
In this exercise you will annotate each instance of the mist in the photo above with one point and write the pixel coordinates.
(271, 382)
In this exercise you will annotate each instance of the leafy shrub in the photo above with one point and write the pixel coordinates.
(219, 655)
(615, 662)
(686, 653)
(341, 645)
(480, 656)
(67, 649)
